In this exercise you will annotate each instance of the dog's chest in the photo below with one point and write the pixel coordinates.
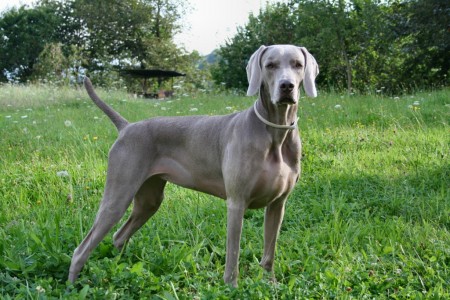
(275, 179)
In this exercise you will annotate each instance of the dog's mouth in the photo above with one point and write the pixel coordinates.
(287, 98)
(286, 101)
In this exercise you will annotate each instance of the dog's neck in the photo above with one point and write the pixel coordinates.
(277, 114)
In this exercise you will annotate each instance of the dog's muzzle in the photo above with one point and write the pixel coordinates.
(286, 92)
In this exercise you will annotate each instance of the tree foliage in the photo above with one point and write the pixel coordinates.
(23, 35)
(51, 63)
(424, 31)
(362, 45)
(97, 35)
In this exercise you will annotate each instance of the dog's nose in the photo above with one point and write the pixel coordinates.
(286, 86)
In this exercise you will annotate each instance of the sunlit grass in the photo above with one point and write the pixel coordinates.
(369, 218)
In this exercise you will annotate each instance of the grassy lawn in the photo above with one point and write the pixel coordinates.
(370, 217)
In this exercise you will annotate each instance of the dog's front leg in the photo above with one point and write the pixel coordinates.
(235, 217)
(272, 223)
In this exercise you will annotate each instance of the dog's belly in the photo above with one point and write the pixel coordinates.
(209, 186)
(204, 180)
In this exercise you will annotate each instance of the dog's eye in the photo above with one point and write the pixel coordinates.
(298, 65)
(271, 66)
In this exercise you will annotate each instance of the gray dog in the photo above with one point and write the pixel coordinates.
(250, 158)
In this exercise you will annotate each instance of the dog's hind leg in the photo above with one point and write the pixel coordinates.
(146, 204)
(109, 214)
(125, 177)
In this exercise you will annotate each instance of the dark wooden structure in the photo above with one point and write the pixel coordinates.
(146, 74)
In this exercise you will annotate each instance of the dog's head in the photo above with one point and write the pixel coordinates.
(281, 69)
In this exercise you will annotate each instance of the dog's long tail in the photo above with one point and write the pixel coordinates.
(115, 117)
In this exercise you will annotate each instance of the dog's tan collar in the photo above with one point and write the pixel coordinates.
(289, 127)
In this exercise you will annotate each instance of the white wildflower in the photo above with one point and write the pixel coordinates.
(194, 109)
(8, 117)
(40, 289)
(228, 108)
(67, 123)
(24, 117)
(338, 106)
(63, 173)
(416, 103)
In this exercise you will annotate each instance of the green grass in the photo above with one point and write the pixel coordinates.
(370, 217)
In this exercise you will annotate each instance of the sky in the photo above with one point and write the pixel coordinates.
(213, 21)
(208, 23)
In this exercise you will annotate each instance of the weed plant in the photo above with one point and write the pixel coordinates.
(369, 219)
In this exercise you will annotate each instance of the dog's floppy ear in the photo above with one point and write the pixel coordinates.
(254, 71)
(311, 72)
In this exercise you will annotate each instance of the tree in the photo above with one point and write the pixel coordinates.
(50, 64)
(349, 38)
(105, 34)
(273, 25)
(423, 34)
(362, 45)
(24, 33)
